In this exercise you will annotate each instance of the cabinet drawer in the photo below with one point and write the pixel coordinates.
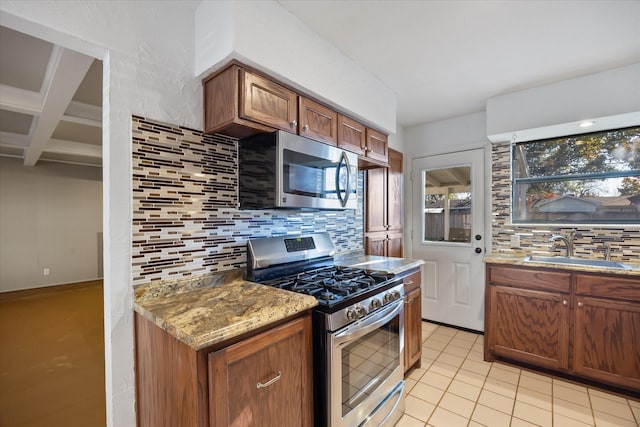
(530, 279)
(412, 281)
(608, 286)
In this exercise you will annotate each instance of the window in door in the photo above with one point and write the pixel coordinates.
(447, 205)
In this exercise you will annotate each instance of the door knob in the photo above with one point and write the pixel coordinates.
(478, 250)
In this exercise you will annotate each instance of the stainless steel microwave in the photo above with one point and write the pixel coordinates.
(283, 170)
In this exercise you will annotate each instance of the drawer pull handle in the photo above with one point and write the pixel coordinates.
(408, 283)
(271, 381)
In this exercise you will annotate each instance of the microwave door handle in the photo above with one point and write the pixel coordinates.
(344, 162)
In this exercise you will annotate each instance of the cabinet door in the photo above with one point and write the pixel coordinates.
(375, 244)
(529, 326)
(264, 380)
(376, 146)
(318, 122)
(394, 191)
(394, 245)
(351, 135)
(267, 102)
(376, 200)
(606, 337)
(412, 328)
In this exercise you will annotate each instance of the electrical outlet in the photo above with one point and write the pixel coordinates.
(515, 241)
(46, 272)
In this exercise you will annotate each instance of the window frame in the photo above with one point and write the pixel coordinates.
(516, 181)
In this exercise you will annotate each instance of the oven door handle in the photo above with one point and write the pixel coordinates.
(364, 326)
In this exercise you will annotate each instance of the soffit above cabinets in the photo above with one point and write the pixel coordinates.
(50, 102)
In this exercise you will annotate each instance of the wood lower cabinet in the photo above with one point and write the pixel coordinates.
(383, 209)
(412, 320)
(606, 338)
(583, 324)
(530, 326)
(262, 380)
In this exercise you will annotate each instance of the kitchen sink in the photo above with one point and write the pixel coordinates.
(578, 261)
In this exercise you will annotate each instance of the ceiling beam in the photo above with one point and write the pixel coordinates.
(20, 100)
(67, 69)
(459, 177)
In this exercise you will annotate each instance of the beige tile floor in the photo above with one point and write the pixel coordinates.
(455, 387)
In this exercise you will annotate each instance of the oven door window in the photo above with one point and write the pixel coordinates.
(367, 362)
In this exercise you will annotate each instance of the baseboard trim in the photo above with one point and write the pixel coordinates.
(49, 289)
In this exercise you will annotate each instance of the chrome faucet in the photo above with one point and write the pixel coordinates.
(568, 242)
(607, 251)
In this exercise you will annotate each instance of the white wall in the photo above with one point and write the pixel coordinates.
(267, 36)
(610, 98)
(51, 218)
(147, 48)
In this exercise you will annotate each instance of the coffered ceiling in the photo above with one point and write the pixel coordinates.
(50, 102)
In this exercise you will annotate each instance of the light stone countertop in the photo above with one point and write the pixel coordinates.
(519, 261)
(204, 311)
(380, 263)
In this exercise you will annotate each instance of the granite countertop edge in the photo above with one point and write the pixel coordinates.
(519, 261)
(390, 265)
(216, 310)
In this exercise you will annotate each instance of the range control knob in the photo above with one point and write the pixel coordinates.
(351, 314)
(396, 295)
(387, 298)
(375, 303)
(360, 311)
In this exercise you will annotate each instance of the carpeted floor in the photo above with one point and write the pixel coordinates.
(52, 357)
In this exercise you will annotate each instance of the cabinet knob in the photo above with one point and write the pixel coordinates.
(565, 302)
(305, 128)
(478, 250)
(294, 123)
(580, 304)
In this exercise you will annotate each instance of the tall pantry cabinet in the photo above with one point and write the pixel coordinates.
(383, 212)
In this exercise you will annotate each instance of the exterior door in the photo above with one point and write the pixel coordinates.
(448, 234)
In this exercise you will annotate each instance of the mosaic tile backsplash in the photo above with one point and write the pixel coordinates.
(534, 240)
(185, 198)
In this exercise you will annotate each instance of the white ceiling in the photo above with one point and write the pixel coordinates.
(442, 59)
(446, 58)
(50, 102)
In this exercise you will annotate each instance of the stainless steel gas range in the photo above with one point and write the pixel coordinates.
(358, 334)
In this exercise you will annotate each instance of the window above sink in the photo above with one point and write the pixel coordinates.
(591, 178)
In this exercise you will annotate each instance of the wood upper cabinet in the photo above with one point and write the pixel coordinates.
(376, 200)
(351, 135)
(264, 380)
(377, 149)
(394, 191)
(585, 324)
(266, 102)
(318, 121)
(607, 330)
(412, 321)
(383, 208)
